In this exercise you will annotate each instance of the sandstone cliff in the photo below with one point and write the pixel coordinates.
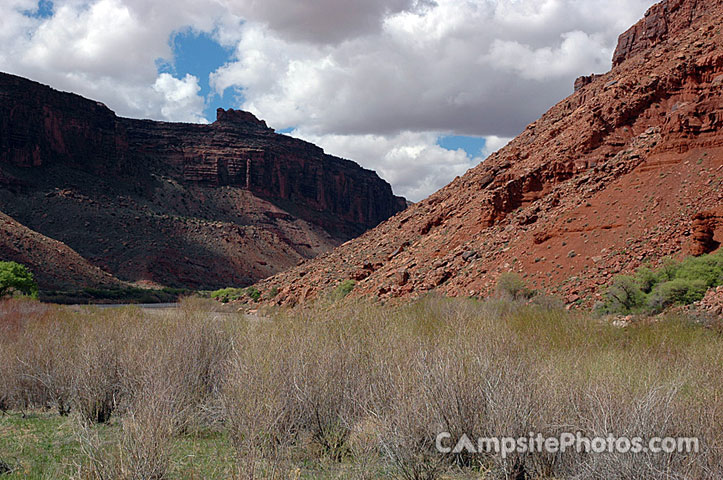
(176, 204)
(623, 172)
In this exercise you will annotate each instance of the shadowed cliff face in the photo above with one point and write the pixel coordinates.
(176, 204)
(627, 170)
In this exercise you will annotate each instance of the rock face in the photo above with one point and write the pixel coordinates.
(707, 232)
(176, 204)
(623, 172)
(664, 20)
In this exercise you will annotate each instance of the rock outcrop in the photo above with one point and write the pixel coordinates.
(707, 232)
(609, 179)
(176, 204)
(664, 20)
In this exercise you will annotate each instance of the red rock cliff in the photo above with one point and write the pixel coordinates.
(39, 125)
(169, 203)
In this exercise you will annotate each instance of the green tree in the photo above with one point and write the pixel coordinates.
(16, 278)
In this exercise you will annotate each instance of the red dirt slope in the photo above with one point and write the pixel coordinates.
(54, 264)
(626, 170)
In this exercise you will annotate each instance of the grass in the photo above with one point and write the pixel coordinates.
(350, 389)
(44, 445)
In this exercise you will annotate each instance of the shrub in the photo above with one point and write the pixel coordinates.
(360, 382)
(676, 292)
(16, 278)
(624, 295)
(253, 293)
(226, 295)
(673, 283)
(511, 285)
(343, 289)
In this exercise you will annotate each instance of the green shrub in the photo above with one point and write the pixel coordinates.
(624, 295)
(708, 269)
(16, 278)
(226, 295)
(253, 293)
(343, 289)
(676, 292)
(673, 283)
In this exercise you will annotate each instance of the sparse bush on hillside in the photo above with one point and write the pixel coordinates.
(510, 285)
(16, 279)
(343, 289)
(253, 293)
(674, 283)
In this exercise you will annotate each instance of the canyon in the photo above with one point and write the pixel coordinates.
(167, 204)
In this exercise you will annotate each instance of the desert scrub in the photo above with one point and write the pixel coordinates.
(253, 293)
(343, 289)
(335, 388)
(673, 283)
(512, 286)
(226, 295)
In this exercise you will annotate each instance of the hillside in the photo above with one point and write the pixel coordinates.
(181, 205)
(625, 171)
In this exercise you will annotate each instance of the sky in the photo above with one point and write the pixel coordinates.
(417, 90)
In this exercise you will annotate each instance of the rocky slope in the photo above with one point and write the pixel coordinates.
(625, 171)
(199, 206)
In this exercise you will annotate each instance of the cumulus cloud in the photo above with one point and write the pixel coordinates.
(463, 67)
(494, 143)
(108, 50)
(377, 81)
(322, 21)
(470, 67)
(181, 99)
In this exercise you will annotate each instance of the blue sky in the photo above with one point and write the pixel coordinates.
(198, 54)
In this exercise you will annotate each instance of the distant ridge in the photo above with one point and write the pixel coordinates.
(184, 205)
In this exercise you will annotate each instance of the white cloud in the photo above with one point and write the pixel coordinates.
(471, 67)
(494, 143)
(464, 67)
(182, 102)
(107, 50)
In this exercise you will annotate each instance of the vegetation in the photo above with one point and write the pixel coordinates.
(253, 293)
(674, 283)
(115, 295)
(343, 289)
(16, 279)
(226, 295)
(512, 286)
(351, 390)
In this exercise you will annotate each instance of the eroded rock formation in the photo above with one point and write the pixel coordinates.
(176, 204)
